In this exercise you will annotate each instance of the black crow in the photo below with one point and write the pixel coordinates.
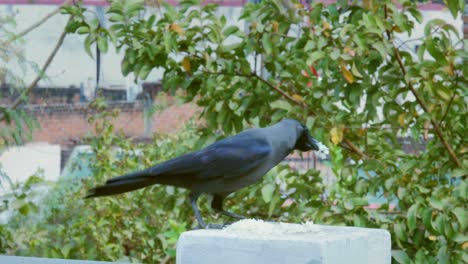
(222, 167)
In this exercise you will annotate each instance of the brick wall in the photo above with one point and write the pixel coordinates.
(67, 124)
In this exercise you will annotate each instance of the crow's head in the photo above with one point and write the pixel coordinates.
(304, 141)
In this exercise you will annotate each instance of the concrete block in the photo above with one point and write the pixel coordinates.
(254, 241)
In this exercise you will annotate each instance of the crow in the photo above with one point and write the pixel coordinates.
(221, 168)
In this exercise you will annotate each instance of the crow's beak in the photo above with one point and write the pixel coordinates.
(312, 143)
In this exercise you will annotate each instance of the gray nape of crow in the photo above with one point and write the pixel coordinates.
(222, 167)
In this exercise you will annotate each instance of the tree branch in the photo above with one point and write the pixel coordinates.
(448, 107)
(350, 144)
(38, 23)
(274, 87)
(355, 149)
(33, 84)
(421, 102)
(279, 90)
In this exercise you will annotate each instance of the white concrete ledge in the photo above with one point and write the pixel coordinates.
(32, 260)
(251, 241)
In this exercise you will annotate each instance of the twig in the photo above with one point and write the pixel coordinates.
(421, 102)
(274, 87)
(38, 23)
(352, 147)
(279, 90)
(283, 35)
(166, 259)
(448, 106)
(40, 75)
(419, 39)
(304, 105)
(355, 149)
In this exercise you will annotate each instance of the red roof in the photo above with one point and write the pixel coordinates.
(231, 3)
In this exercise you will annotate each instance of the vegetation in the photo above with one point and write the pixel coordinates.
(17, 124)
(337, 67)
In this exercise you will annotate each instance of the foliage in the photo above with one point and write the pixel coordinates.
(337, 68)
(138, 226)
(135, 227)
(17, 124)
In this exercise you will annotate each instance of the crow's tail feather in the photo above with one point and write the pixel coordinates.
(122, 184)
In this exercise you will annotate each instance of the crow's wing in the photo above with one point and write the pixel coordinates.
(231, 157)
(227, 158)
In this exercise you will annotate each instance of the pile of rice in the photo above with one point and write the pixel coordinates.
(323, 151)
(262, 229)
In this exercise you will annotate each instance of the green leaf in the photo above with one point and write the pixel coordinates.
(460, 238)
(310, 122)
(459, 172)
(65, 250)
(453, 7)
(355, 71)
(230, 47)
(83, 30)
(439, 224)
(400, 20)
(434, 50)
(102, 44)
(89, 40)
(462, 190)
(400, 256)
(214, 34)
(167, 41)
(437, 204)
(431, 24)
(427, 217)
(443, 256)
(359, 221)
(267, 45)
(314, 56)
(310, 45)
(348, 204)
(421, 50)
(416, 14)
(281, 104)
(278, 115)
(230, 30)
(125, 67)
(380, 47)
(133, 6)
(116, 18)
(24, 210)
(145, 70)
(400, 231)
(335, 54)
(150, 21)
(267, 192)
(411, 217)
(462, 217)
(273, 203)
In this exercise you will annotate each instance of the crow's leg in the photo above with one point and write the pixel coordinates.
(217, 205)
(193, 202)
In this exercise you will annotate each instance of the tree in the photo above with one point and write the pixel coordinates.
(17, 124)
(362, 73)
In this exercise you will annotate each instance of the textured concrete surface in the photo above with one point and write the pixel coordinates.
(262, 242)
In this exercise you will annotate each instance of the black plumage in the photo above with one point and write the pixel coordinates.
(222, 167)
